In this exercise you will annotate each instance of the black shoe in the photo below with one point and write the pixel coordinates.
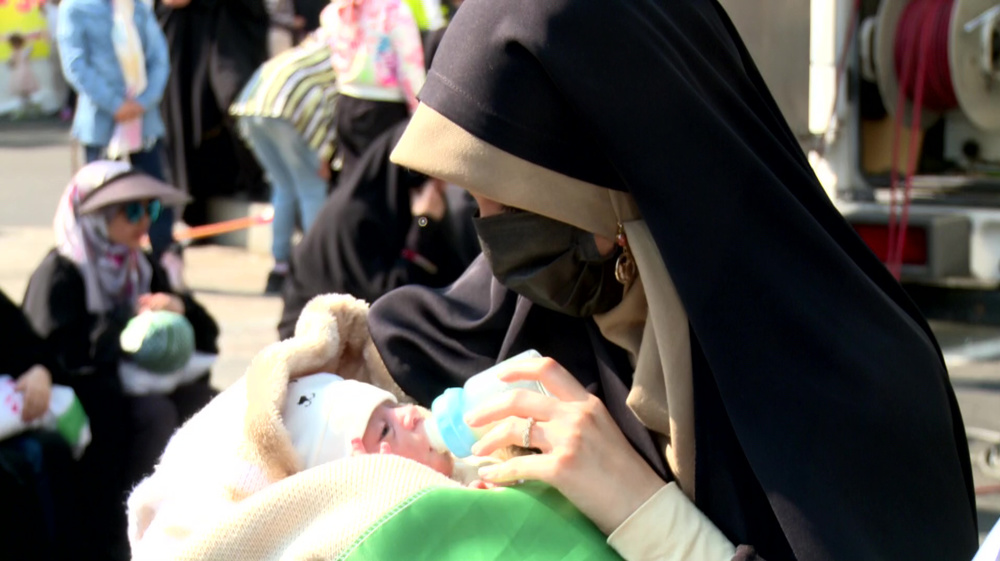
(275, 282)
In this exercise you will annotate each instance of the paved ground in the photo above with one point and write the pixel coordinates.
(35, 162)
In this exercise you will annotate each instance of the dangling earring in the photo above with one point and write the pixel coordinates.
(625, 265)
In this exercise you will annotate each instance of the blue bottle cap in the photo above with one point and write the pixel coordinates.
(448, 410)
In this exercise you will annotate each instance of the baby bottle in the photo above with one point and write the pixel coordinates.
(446, 428)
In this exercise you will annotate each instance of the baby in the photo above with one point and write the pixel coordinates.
(329, 418)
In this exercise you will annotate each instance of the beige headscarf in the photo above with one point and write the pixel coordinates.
(650, 324)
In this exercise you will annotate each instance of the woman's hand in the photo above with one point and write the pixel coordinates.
(129, 110)
(584, 454)
(324, 171)
(36, 386)
(160, 301)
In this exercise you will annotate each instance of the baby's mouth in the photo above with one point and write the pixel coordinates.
(422, 414)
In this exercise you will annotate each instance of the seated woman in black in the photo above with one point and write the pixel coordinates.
(80, 299)
(383, 227)
(35, 466)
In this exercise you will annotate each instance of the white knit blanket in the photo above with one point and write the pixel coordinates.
(229, 485)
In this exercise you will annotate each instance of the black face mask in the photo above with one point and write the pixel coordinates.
(549, 262)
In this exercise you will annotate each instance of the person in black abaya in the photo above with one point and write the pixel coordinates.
(309, 10)
(367, 241)
(215, 46)
(36, 467)
(632, 170)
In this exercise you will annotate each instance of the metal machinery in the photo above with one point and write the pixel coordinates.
(943, 55)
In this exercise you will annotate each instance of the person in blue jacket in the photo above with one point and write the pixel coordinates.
(115, 56)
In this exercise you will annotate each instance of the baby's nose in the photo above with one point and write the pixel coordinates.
(411, 416)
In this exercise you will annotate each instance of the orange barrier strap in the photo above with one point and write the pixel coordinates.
(224, 227)
(209, 230)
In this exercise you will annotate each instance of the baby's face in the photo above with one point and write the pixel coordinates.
(399, 430)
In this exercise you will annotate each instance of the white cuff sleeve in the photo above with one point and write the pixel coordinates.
(669, 527)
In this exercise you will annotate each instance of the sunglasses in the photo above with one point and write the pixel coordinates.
(135, 210)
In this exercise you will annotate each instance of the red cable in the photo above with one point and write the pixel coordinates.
(927, 11)
(922, 35)
(903, 71)
(841, 70)
(930, 22)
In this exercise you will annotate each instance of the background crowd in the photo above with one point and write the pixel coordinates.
(173, 104)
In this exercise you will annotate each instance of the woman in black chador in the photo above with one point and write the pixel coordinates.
(750, 359)
(215, 46)
(374, 235)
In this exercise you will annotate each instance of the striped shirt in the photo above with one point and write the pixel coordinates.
(299, 86)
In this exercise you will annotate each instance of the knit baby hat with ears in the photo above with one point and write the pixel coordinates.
(324, 413)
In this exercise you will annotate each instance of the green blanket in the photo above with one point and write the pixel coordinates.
(527, 522)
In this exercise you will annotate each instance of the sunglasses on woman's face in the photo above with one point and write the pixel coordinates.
(135, 210)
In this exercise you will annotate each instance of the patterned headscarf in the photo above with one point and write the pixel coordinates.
(113, 274)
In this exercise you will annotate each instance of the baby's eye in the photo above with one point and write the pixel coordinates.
(385, 432)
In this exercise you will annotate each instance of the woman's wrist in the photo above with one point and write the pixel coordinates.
(669, 527)
(636, 493)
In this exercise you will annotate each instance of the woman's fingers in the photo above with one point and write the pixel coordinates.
(580, 443)
(515, 403)
(536, 467)
(559, 383)
(147, 303)
(160, 301)
(34, 406)
(556, 379)
(511, 432)
(36, 386)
